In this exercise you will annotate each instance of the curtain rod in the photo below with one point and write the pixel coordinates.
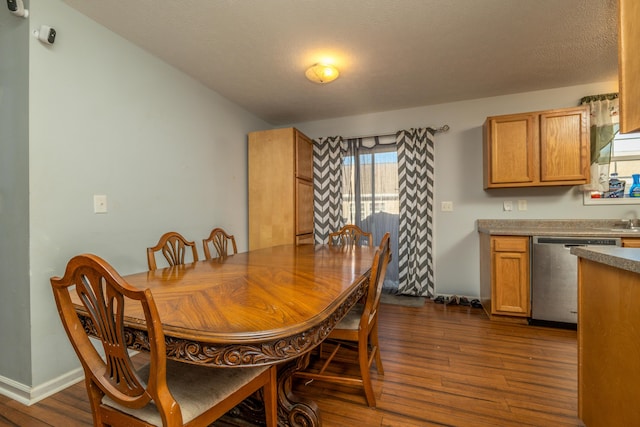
(443, 128)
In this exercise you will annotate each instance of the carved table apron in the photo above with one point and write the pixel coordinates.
(267, 306)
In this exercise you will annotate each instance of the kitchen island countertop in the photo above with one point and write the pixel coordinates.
(614, 256)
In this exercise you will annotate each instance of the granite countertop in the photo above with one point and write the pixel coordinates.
(614, 256)
(555, 227)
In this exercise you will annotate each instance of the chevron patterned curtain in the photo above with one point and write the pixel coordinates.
(327, 181)
(415, 175)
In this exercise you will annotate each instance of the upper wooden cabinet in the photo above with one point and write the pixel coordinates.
(280, 188)
(629, 65)
(541, 148)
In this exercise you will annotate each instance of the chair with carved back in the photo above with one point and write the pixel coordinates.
(350, 235)
(162, 392)
(358, 331)
(220, 240)
(174, 248)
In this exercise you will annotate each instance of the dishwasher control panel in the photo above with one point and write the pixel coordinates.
(578, 241)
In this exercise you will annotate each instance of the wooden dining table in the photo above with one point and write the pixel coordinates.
(266, 306)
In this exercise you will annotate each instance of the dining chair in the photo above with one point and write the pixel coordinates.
(358, 331)
(162, 392)
(174, 248)
(350, 235)
(220, 240)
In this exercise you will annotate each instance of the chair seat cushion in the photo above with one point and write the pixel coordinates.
(195, 388)
(351, 321)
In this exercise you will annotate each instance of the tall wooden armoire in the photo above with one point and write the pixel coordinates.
(280, 188)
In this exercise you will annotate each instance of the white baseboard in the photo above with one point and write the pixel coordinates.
(30, 395)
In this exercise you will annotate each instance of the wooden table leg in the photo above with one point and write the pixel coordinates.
(293, 410)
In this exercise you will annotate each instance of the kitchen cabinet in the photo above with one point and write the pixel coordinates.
(630, 242)
(280, 163)
(504, 276)
(544, 148)
(608, 337)
(629, 65)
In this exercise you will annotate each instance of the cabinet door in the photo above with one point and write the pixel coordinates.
(510, 150)
(510, 266)
(272, 191)
(304, 210)
(564, 145)
(304, 157)
(629, 65)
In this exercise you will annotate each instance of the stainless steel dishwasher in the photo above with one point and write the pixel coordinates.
(554, 277)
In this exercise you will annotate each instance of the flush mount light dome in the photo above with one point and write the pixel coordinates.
(322, 73)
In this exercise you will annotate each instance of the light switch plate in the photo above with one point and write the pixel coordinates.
(446, 206)
(99, 203)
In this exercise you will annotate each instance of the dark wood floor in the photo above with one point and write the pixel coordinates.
(444, 366)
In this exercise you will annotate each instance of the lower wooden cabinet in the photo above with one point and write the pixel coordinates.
(630, 242)
(608, 350)
(504, 276)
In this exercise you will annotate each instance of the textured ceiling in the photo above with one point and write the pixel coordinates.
(392, 54)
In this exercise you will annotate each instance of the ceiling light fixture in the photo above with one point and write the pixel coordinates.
(322, 73)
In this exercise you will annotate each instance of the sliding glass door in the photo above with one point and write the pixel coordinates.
(370, 194)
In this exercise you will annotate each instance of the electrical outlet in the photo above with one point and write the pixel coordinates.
(446, 206)
(99, 203)
(507, 205)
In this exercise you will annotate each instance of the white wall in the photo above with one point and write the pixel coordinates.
(108, 118)
(458, 174)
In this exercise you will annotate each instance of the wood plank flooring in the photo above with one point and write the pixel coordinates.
(451, 366)
(444, 366)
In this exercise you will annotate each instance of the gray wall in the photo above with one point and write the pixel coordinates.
(97, 115)
(14, 198)
(458, 174)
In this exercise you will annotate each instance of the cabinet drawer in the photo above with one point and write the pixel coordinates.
(510, 244)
